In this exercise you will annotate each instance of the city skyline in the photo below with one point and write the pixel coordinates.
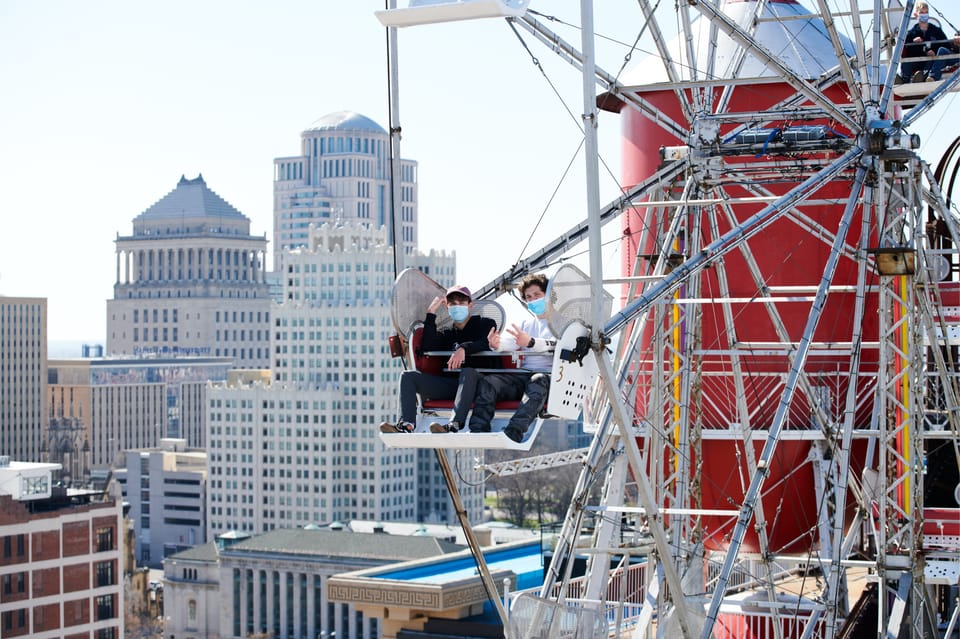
(115, 102)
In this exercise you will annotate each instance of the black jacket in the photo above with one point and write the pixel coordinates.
(472, 337)
(933, 39)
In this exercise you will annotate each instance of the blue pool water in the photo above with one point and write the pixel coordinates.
(525, 561)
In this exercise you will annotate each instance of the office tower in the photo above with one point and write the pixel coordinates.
(166, 488)
(304, 449)
(191, 280)
(343, 174)
(61, 558)
(23, 376)
(100, 407)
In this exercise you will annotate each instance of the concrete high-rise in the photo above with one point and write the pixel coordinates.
(166, 488)
(102, 406)
(191, 280)
(23, 377)
(343, 174)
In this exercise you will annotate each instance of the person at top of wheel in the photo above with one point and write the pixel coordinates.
(926, 39)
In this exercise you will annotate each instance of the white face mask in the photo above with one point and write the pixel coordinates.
(458, 313)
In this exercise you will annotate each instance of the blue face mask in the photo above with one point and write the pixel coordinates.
(924, 17)
(458, 313)
(538, 307)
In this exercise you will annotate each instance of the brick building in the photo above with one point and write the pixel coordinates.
(60, 558)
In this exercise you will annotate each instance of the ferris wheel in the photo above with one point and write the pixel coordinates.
(785, 382)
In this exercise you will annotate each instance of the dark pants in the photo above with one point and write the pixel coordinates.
(505, 387)
(460, 388)
(933, 68)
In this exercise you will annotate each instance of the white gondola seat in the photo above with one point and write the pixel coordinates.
(434, 11)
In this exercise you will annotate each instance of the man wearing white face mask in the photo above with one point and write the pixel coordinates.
(469, 334)
(927, 40)
(533, 336)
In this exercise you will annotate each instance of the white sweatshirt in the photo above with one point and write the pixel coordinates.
(544, 341)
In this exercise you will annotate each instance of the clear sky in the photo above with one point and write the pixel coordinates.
(106, 103)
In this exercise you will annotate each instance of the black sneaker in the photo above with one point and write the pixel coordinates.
(449, 427)
(399, 427)
(918, 76)
(514, 435)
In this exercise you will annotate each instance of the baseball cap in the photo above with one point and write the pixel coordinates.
(462, 290)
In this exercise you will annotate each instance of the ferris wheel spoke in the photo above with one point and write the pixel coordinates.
(773, 312)
(896, 52)
(808, 224)
(730, 240)
(929, 101)
(799, 360)
(846, 70)
(786, 73)
(689, 47)
(743, 411)
(609, 83)
(674, 75)
(739, 56)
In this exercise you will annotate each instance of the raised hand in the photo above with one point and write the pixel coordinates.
(521, 336)
(436, 304)
(493, 339)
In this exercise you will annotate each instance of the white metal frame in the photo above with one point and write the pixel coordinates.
(879, 163)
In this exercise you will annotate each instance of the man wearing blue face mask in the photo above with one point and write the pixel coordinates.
(469, 334)
(535, 339)
(927, 40)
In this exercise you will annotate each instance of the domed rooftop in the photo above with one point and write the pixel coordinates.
(346, 121)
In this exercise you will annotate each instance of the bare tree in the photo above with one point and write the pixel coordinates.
(542, 494)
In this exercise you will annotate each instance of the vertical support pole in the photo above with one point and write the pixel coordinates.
(900, 262)
(478, 557)
(592, 153)
(396, 176)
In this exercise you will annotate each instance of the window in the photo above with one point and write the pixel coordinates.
(14, 619)
(34, 485)
(104, 607)
(192, 611)
(104, 538)
(104, 573)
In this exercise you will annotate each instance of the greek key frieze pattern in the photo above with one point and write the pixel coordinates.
(432, 599)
